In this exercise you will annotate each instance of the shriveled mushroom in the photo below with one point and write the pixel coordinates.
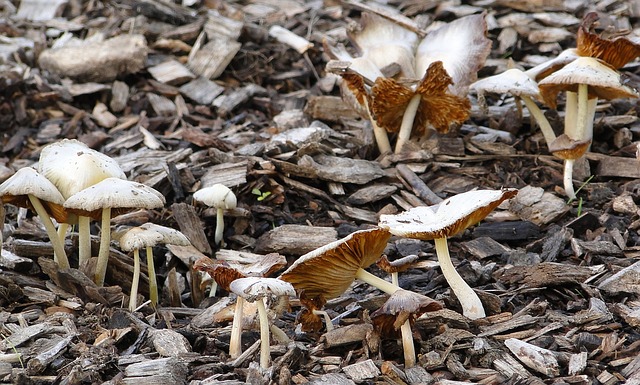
(220, 197)
(444, 220)
(28, 188)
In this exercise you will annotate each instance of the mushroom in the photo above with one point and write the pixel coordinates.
(399, 312)
(220, 197)
(444, 220)
(254, 289)
(30, 189)
(396, 266)
(148, 235)
(309, 315)
(111, 195)
(72, 166)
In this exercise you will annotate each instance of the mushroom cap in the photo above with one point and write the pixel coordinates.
(115, 193)
(218, 196)
(256, 288)
(72, 166)
(138, 238)
(27, 181)
(513, 81)
(616, 52)
(565, 148)
(329, 270)
(169, 236)
(220, 271)
(543, 70)
(446, 218)
(604, 82)
(401, 306)
(398, 265)
(308, 320)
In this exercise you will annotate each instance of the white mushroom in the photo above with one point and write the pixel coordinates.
(220, 197)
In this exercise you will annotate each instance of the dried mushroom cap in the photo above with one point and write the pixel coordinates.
(329, 270)
(310, 321)
(398, 265)
(218, 196)
(138, 238)
(256, 288)
(114, 193)
(438, 107)
(448, 217)
(616, 52)
(513, 81)
(27, 181)
(604, 82)
(72, 166)
(220, 271)
(461, 45)
(401, 306)
(566, 148)
(169, 236)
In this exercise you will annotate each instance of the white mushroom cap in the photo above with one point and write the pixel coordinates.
(218, 196)
(138, 238)
(513, 81)
(543, 70)
(27, 181)
(255, 288)
(73, 166)
(169, 236)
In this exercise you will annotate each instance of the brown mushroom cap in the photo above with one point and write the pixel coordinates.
(310, 321)
(566, 148)
(401, 306)
(220, 271)
(329, 270)
(446, 218)
(396, 266)
(616, 52)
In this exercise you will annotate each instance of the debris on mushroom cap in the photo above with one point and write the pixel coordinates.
(218, 196)
(513, 81)
(220, 271)
(256, 288)
(329, 270)
(72, 166)
(138, 238)
(604, 82)
(566, 148)
(462, 46)
(448, 217)
(616, 52)
(438, 107)
(115, 193)
(398, 265)
(27, 181)
(401, 306)
(308, 320)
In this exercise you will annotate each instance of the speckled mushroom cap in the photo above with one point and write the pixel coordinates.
(27, 181)
(604, 82)
(512, 81)
(329, 270)
(255, 288)
(447, 218)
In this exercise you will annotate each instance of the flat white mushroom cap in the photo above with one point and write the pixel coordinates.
(512, 81)
(447, 218)
(72, 166)
(138, 238)
(218, 196)
(169, 236)
(28, 181)
(255, 288)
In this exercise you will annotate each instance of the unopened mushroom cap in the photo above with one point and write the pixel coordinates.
(72, 166)
(27, 181)
(218, 196)
(255, 288)
(448, 217)
(114, 193)
(401, 306)
(513, 81)
(604, 82)
(329, 270)
(138, 238)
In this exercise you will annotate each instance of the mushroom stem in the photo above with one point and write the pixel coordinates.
(153, 283)
(568, 178)
(327, 319)
(469, 300)
(84, 239)
(570, 114)
(394, 278)
(105, 240)
(235, 343)
(382, 139)
(265, 349)
(58, 247)
(407, 122)
(133, 297)
(62, 235)
(219, 227)
(407, 345)
(543, 122)
(374, 281)
(583, 112)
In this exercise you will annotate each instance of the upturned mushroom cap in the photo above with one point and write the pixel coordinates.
(114, 193)
(512, 81)
(616, 52)
(566, 148)
(72, 166)
(604, 82)
(543, 70)
(448, 217)
(329, 270)
(401, 306)
(256, 288)
(27, 181)
(218, 196)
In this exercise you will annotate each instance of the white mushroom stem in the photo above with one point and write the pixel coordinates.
(133, 297)
(543, 122)
(374, 281)
(407, 336)
(471, 306)
(105, 240)
(583, 112)
(394, 278)
(62, 235)
(84, 239)
(235, 343)
(568, 178)
(153, 283)
(58, 247)
(265, 348)
(407, 122)
(219, 227)
(327, 319)
(382, 139)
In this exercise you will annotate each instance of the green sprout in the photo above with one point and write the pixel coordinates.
(261, 195)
